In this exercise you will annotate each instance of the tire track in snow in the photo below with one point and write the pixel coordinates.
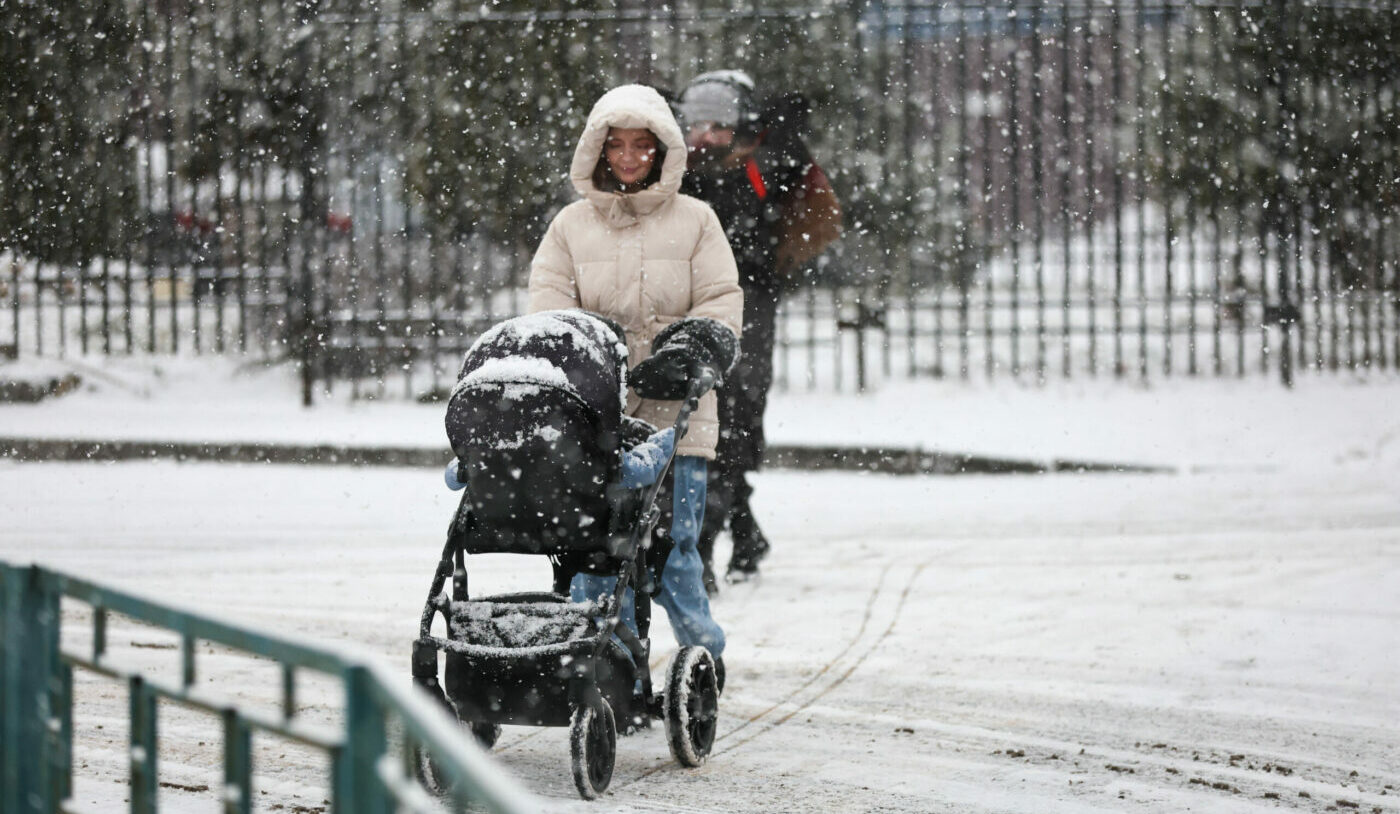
(841, 679)
(1210, 765)
(1239, 774)
(762, 720)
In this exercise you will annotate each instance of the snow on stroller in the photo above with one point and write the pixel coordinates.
(536, 420)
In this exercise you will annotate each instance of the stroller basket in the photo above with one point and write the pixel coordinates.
(521, 625)
(512, 658)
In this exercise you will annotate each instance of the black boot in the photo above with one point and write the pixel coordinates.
(743, 563)
(711, 584)
(750, 546)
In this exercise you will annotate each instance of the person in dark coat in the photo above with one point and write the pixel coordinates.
(751, 166)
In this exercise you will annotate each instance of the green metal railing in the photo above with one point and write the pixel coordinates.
(367, 777)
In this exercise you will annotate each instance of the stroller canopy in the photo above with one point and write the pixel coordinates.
(576, 354)
(535, 422)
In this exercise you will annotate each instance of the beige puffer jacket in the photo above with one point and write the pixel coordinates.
(645, 259)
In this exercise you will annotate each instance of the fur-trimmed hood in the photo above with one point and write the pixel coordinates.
(629, 106)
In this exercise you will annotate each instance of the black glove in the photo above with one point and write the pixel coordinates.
(665, 375)
(679, 353)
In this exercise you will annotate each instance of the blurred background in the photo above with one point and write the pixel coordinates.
(1032, 191)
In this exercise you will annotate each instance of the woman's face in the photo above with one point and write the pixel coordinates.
(630, 153)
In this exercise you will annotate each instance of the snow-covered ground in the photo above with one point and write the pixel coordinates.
(1223, 639)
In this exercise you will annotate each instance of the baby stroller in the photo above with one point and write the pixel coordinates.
(536, 420)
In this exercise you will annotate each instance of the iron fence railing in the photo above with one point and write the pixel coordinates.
(1033, 189)
(37, 735)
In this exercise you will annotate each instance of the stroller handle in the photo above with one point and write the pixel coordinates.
(703, 380)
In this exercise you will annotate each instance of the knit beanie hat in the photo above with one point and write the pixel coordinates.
(719, 96)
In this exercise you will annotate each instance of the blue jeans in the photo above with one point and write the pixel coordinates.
(682, 580)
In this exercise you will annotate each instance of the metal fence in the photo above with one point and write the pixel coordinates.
(37, 694)
(1033, 190)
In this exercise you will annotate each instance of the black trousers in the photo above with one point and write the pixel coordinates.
(742, 402)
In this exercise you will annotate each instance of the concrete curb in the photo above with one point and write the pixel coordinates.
(928, 462)
(810, 458)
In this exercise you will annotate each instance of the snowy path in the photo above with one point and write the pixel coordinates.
(1225, 642)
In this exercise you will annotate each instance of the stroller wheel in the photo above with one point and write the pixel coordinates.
(593, 747)
(692, 705)
(429, 776)
(427, 772)
(433, 780)
(486, 734)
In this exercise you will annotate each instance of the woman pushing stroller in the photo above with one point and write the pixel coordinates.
(657, 262)
(553, 455)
